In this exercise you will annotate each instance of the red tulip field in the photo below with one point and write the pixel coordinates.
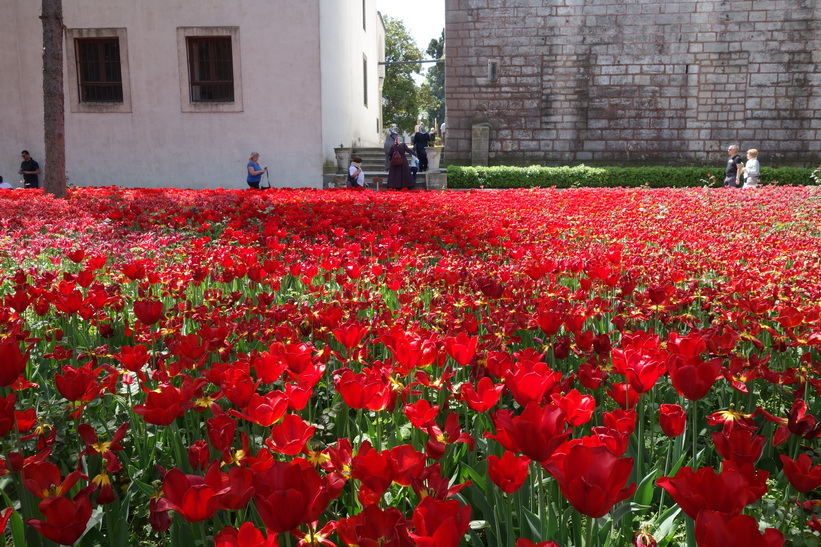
(524, 368)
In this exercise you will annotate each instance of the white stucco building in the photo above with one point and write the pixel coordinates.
(179, 92)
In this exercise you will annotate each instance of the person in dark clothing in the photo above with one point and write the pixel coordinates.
(30, 170)
(421, 140)
(399, 174)
(732, 175)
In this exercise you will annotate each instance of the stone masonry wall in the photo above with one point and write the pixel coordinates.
(628, 81)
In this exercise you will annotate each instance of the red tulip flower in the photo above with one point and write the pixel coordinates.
(694, 491)
(221, 430)
(351, 334)
(246, 536)
(802, 474)
(672, 420)
(592, 478)
(530, 381)
(288, 494)
(421, 413)
(508, 472)
(484, 396)
(290, 436)
(148, 311)
(65, 519)
(715, 529)
(133, 358)
(579, 408)
(8, 417)
(44, 480)
(14, 361)
(405, 463)
(372, 468)
(369, 390)
(195, 498)
(536, 433)
(440, 523)
(78, 384)
(461, 348)
(739, 445)
(105, 448)
(264, 410)
(693, 378)
(240, 484)
(624, 395)
(166, 404)
(802, 423)
(375, 527)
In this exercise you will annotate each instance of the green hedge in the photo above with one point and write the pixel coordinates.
(610, 177)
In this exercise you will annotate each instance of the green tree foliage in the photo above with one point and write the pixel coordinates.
(433, 89)
(400, 96)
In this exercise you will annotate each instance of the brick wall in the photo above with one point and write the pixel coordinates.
(634, 80)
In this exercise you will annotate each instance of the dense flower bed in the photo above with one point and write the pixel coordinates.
(577, 367)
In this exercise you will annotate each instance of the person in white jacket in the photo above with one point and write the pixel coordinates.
(751, 170)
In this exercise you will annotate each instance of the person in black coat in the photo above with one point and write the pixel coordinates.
(399, 175)
(421, 140)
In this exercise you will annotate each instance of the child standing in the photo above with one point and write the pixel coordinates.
(752, 171)
(414, 166)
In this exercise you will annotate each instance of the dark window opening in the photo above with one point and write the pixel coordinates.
(210, 69)
(98, 69)
(365, 78)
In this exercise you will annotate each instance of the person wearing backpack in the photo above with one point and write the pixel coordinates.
(399, 174)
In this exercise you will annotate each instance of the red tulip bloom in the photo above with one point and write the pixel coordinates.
(715, 529)
(351, 334)
(221, 430)
(44, 480)
(166, 404)
(693, 378)
(105, 448)
(369, 390)
(624, 395)
(372, 468)
(8, 417)
(694, 491)
(290, 436)
(133, 358)
(530, 381)
(452, 434)
(264, 410)
(240, 484)
(195, 498)
(484, 396)
(78, 384)
(801, 423)
(65, 519)
(375, 527)
(579, 408)
(288, 494)
(536, 433)
(148, 311)
(672, 420)
(421, 413)
(199, 455)
(405, 464)
(802, 474)
(739, 445)
(440, 523)
(640, 360)
(246, 536)
(591, 477)
(461, 348)
(430, 482)
(14, 361)
(508, 472)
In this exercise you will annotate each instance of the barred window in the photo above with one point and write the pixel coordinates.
(99, 72)
(210, 69)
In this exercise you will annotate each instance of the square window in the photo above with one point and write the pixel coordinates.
(99, 70)
(210, 69)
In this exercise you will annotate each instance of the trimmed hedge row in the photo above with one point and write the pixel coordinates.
(610, 177)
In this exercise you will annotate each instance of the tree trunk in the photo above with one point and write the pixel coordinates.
(54, 178)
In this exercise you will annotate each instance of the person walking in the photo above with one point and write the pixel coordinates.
(752, 170)
(30, 170)
(255, 172)
(421, 140)
(732, 175)
(399, 174)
